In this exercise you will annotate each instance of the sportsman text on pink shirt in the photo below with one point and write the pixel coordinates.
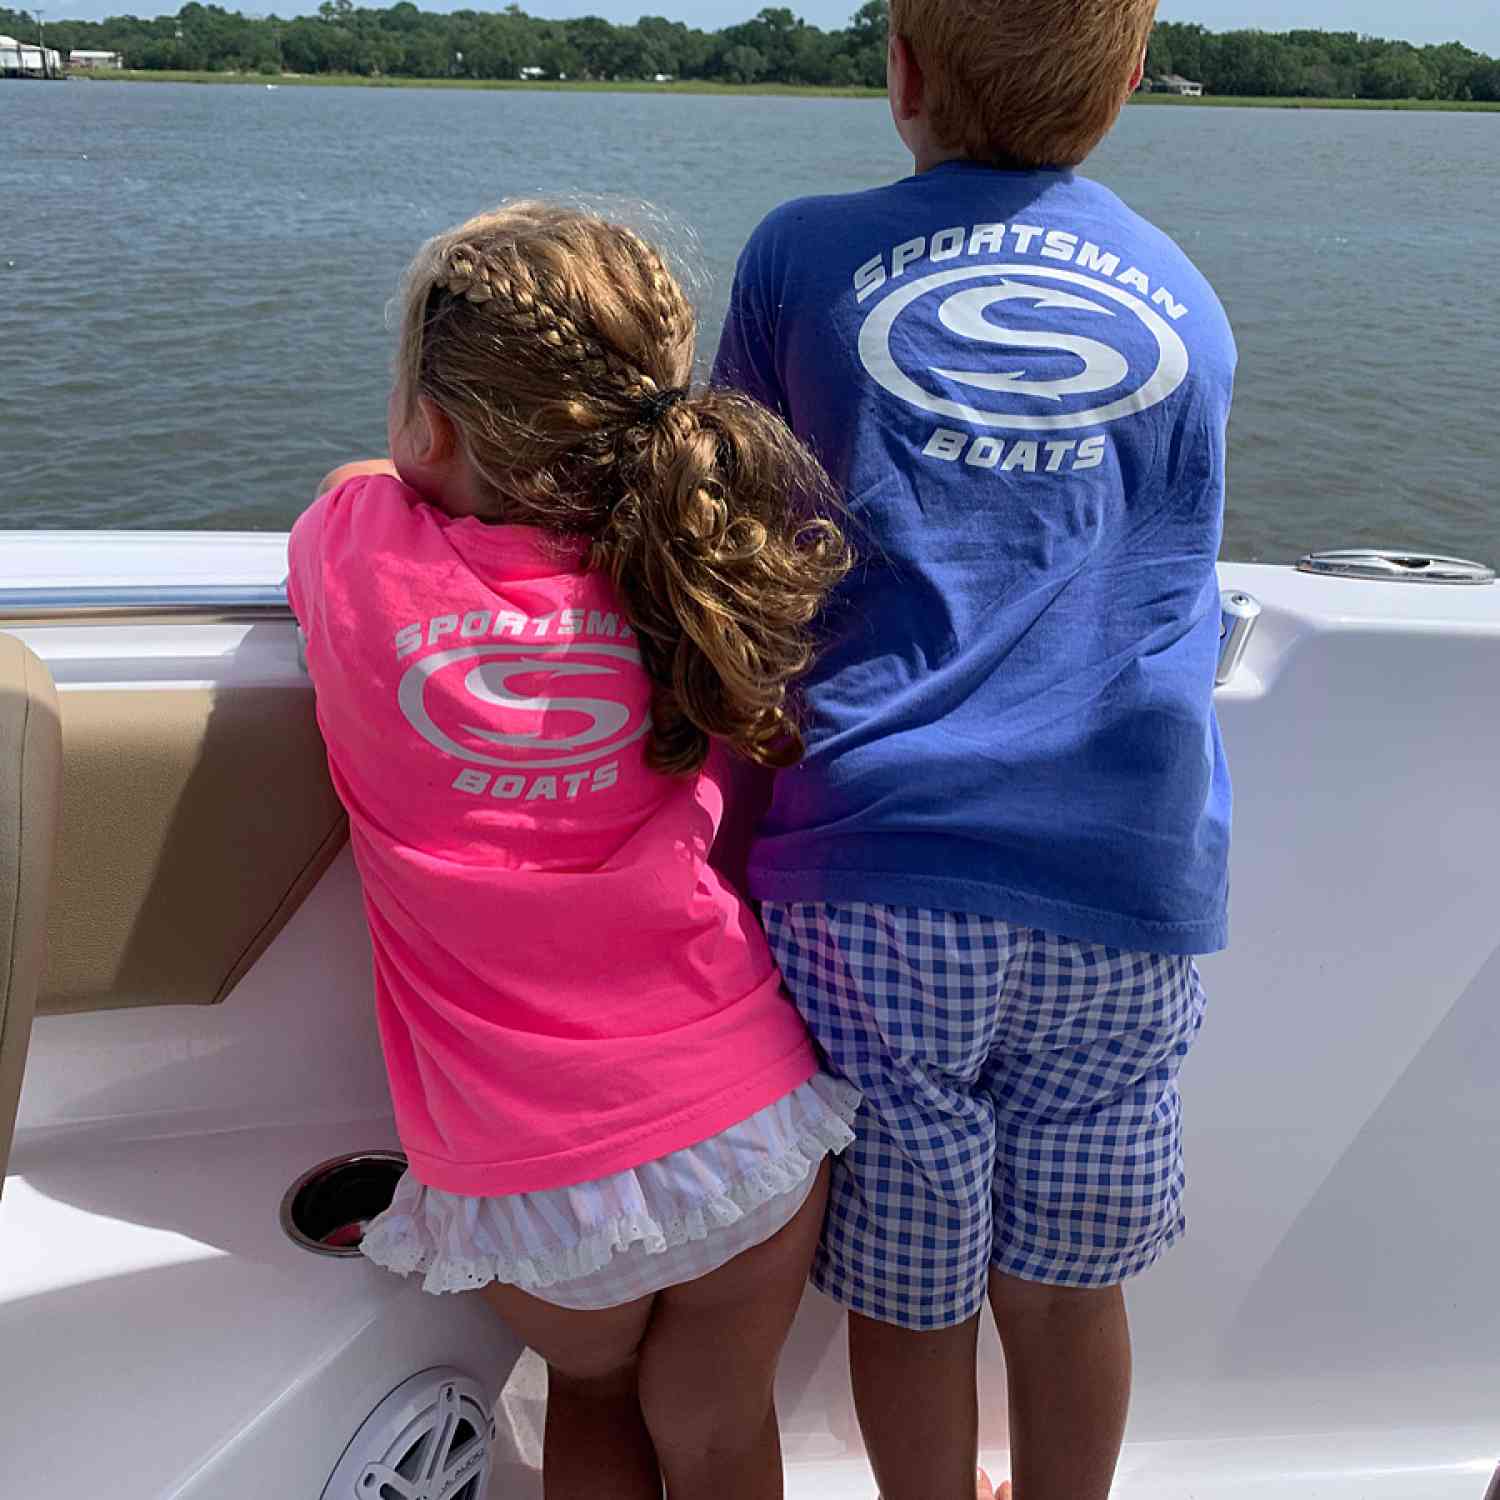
(478, 624)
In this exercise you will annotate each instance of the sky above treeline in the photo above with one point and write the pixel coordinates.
(1476, 23)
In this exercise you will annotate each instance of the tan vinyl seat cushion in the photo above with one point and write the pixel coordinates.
(193, 823)
(30, 779)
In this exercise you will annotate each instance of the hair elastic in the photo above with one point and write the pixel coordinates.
(654, 408)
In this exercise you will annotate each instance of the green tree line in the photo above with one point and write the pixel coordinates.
(776, 46)
(1320, 64)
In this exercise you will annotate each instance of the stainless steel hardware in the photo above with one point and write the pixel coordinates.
(205, 601)
(326, 1209)
(1395, 567)
(1238, 612)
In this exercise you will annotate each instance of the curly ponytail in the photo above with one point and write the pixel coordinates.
(722, 573)
(560, 345)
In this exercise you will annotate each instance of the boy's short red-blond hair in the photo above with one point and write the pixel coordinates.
(1034, 82)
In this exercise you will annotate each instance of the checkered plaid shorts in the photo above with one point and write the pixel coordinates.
(1020, 1108)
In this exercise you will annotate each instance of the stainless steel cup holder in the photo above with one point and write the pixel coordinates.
(327, 1208)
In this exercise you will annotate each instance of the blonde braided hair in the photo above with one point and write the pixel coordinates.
(560, 345)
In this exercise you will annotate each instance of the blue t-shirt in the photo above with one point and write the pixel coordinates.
(1021, 389)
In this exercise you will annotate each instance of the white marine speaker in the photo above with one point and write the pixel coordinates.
(428, 1440)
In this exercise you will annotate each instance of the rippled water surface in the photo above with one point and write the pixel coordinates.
(193, 281)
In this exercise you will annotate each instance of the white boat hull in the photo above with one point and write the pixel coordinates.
(1330, 1327)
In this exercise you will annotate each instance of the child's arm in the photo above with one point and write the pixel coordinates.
(304, 545)
(747, 347)
(335, 477)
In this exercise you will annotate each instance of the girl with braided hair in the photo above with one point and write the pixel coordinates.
(543, 635)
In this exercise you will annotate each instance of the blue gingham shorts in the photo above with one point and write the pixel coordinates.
(1020, 1103)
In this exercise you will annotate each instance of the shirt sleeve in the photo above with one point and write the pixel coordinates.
(304, 557)
(747, 348)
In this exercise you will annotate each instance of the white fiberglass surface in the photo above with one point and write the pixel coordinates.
(295, 1044)
(140, 559)
(164, 1338)
(1327, 1328)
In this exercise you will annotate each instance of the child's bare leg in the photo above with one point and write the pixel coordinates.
(918, 1406)
(1067, 1366)
(596, 1445)
(708, 1365)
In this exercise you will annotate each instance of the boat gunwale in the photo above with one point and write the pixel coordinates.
(206, 603)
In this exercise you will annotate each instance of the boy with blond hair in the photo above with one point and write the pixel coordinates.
(987, 881)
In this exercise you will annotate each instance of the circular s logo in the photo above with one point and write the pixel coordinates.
(513, 688)
(1011, 398)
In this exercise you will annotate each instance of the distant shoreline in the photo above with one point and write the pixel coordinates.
(772, 90)
(546, 86)
(1288, 101)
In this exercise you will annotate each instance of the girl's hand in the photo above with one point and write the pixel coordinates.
(337, 476)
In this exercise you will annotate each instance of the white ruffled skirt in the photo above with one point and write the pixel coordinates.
(610, 1241)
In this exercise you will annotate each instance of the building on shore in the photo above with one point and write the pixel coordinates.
(86, 61)
(1175, 83)
(26, 60)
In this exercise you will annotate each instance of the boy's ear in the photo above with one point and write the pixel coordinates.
(1140, 73)
(908, 88)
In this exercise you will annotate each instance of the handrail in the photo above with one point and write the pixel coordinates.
(130, 601)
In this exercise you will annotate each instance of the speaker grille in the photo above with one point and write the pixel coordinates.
(428, 1440)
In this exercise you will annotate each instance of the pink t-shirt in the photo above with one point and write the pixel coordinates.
(565, 987)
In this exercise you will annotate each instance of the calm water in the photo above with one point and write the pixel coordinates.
(193, 327)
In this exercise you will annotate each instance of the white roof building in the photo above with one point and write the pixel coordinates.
(1175, 83)
(27, 60)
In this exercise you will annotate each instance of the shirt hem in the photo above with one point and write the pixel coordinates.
(585, 1164)
(944, 893)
